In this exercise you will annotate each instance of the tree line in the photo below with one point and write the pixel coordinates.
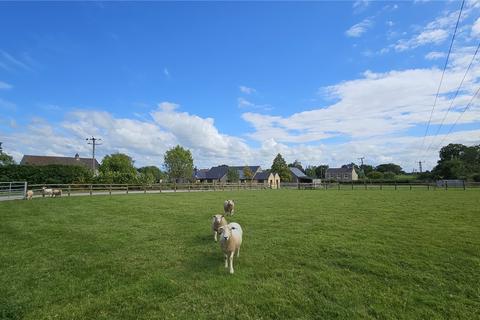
(456, 161)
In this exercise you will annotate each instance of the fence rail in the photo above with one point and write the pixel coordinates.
(16, 190)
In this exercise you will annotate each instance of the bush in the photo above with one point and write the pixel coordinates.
(375, 175)
(54, 174)
(476, 177)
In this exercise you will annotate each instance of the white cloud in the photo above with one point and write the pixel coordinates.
(435, 36)
(247, 90)
(476, 28)
(5, 86)
(360, 5)
(166, 72)
(244, 103)
(434, 55)
(360, 28)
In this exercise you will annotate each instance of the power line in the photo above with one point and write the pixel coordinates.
(454, 97)
(93, 143)
(443, 74)
(459, 116)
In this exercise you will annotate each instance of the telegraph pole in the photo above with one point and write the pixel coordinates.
(93, 143)
(361, 159)
(420, 166)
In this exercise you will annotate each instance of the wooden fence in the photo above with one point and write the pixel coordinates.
(110, 189)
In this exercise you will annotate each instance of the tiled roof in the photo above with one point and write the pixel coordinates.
(217, 172)
(47, 160)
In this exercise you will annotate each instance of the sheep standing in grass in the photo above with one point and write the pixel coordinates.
(47, 192)
(228, 207)
(230, 241)
(218, 221)
(29, 195)
(57, 192)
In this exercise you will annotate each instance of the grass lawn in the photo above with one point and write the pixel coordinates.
(306, 255)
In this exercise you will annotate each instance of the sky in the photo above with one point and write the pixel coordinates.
(239, 82)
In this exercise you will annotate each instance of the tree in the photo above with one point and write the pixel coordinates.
(321, 170)
(280, 166)
(366, 168)
(119, 163)
(458, 161)
(395, 168)
(310, 171)
(117, 168)
(375, 175)
(389, 175)
(152, 171)
(179, 164)
(452, 151)
(247, 173)
(296, 164)
(232, 175)
(6, 160)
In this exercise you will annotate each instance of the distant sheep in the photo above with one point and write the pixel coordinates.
(57, 192)
(228, 207)
(47, 192)
(230, 241)
(218, 221)
(29, 195)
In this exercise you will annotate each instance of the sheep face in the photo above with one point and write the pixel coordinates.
(218, 218)
(225, 232)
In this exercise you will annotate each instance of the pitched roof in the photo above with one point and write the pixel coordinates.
(217, 172)
(298, 173)
(339, 170)
(241, 175)
(201, 174)
(261, 175)
(68, 161)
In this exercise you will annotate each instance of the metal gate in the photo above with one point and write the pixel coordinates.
(13, 190)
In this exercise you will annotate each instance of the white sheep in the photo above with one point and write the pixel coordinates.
(228, 207)
(29, 195)
(47, 192)
(230, 241)
(57, 192)
(218, 221)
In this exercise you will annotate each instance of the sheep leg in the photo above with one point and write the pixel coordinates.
(226, 261)
(231, 261)
(215, 235)
(238, 252)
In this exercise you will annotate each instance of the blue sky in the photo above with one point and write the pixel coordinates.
(236, 83)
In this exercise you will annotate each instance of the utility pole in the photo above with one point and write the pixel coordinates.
(420, 166)
(1, 150)
(93, 143)
(361, 159)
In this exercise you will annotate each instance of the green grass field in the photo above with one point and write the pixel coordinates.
(306, 255)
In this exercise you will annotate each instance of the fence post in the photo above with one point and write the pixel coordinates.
(144, 188)
(338, 185)
(446, 185)
(69, 190)
(428, 185)
(91, 189)
(381, 185)
(410, 184)
(175, 186)
(463, 181)
(110, 189)
(9, 189)
(395, 185)
(352, 184)
(127, 188)
(365, 181)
